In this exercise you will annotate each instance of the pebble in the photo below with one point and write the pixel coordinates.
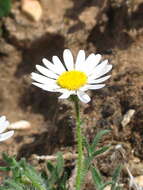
(127, 117)
(20, 125)
(32, 8)
(108, 187)
(139, 180)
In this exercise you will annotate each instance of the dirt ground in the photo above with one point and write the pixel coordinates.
(111, 28)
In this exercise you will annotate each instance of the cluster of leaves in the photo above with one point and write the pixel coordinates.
(99, 182)
(5, 6)
(25, 177)
(92, 152)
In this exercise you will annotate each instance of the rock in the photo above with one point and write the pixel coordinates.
(32, 8)
(139, 180)
(127, 117)
(108, 187)
(20, 125)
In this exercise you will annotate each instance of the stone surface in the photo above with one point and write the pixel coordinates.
(139, 180)
(20, 125)
(32, 8)
(108, 187)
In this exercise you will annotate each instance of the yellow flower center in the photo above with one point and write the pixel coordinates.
(72, 80)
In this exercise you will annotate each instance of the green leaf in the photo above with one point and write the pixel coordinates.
(85, 168)
(5, 6)
(50, 167)
(25, 177)
(87, 146)
(60, 164)
(97, 138)
(5, 169)
(99, 151)
(10, 160)
(116, 173)
(14, 185)
(57, 177)
(97, 178)
(115, 177)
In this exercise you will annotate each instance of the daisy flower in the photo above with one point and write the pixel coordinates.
(3, 126)
(71, 78)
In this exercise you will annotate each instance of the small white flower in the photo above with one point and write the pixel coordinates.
(3, 126)
(72, 78)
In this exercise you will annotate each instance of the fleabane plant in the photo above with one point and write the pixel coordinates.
(3, 126)
(73, 79)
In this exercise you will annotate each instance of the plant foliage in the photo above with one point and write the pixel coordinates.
(92, 152)
(25, 177)
(99, 182)
(5, 6)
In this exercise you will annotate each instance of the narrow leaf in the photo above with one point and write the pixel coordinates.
(97, 138)
(5, 169)
(115, 177)
(116, 173)
(100, 151)
(97, 178)
(5, 6)
(85, 168)
(60, 163)
(87, 146)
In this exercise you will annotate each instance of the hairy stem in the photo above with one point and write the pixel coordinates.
(79, 143)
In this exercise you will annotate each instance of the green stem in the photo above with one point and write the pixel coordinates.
(79, 143)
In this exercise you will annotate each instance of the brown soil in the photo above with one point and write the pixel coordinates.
(113, 29)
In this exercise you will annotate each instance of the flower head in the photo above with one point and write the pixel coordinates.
(72, 78)
(3, 126)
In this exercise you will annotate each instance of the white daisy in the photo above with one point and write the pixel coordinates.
(72, 78)
(3, 126)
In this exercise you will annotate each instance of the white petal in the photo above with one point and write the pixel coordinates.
(83, 96)
(42, 79)
(59, 66)
(99, 80)
(5, 136)
(91, 62)
(65, 95)
(2, 118)
(63, 90)
(3, 126)
(46, 72)
(68, 59)
(92, 87)
(100, 70)
(50, 88)
(80, 61)
(50, 66)
(95, 87)
(38, 84)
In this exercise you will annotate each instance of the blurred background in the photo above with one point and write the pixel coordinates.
(33, 29)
